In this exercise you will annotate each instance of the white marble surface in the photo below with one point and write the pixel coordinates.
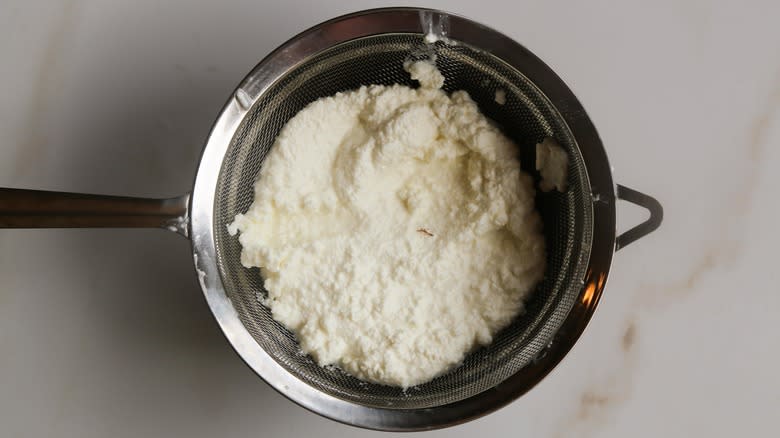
(105, 332)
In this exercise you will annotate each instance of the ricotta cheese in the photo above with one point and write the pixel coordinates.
(553, 164)
(394, 229)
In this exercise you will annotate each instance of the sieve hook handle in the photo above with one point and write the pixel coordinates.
(646, 227)
(20, 208)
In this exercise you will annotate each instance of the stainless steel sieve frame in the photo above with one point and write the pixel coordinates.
(193, 215)
(462, 30)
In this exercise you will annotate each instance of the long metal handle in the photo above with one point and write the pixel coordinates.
(646, 227)
(21, 208)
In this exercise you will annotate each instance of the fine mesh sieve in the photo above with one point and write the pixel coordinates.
(364, 48)
(526, 117)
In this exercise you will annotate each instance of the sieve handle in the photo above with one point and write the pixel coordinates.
(646, 227)
(21, 208)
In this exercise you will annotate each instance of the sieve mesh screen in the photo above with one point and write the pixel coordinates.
(526, 117)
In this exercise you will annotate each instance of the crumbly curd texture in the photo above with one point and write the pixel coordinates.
(552, 162)
(394, 229)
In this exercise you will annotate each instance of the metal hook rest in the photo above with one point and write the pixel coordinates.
(646, 227)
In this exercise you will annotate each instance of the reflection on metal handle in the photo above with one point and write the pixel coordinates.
(21, 208)
(646, 227)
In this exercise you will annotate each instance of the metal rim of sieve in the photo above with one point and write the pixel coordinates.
(415, 21)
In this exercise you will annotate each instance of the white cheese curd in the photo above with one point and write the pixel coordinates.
(394, 230)
(500, 96)
(553, 164)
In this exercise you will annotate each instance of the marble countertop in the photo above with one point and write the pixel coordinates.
(106, 333)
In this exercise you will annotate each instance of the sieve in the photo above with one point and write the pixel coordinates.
(364, 48)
